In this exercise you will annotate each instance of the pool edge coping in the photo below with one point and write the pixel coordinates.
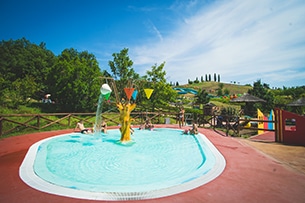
(28, 176)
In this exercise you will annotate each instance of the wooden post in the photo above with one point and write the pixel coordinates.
(214, 121)
(69, 120)
(38, 121)
(227, 126)
(238, 127)
(1, 118)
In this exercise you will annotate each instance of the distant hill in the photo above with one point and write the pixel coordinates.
(212, 87)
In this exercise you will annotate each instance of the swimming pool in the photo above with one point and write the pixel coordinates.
(157, 163)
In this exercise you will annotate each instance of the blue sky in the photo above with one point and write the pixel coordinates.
(242, 40)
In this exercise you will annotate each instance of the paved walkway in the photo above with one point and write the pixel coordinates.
(249, 176)
(264, 137)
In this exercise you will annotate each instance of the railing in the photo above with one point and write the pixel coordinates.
(10, 123)
(233, 123)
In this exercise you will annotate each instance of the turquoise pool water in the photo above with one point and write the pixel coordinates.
(155, 161)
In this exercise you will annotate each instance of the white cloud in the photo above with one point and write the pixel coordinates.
(240, 40)
(153, 29)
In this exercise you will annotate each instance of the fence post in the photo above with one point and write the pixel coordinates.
(213, 121)
(238, 126)
(38, 121)
(1, 118)
(69, 120)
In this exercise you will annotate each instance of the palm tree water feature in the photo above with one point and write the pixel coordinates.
(160, 163)
(124, 107)
(125, 120)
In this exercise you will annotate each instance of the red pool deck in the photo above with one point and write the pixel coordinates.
(249, 175)
(264, 137)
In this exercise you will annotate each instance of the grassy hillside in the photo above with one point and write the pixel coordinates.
(211, 87)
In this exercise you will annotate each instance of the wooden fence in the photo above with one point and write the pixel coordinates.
(235, 124)
(10, 123)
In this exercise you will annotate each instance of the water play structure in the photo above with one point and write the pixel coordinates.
(124, 106)
(181, 90)
(105, 94)
(113, 166)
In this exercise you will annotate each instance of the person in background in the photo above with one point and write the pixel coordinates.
(194, 130)
(148, 125)
(131, 130)
(104, 127)
(80, 126)
(181, 117)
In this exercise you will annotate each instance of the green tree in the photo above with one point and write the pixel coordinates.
(219, 90)
(293, 92)
(20, 91)
(122, 71)
(163, 93)
(121, 66)
(202, 97)
(226, 91)
(284, 96)
(72, 81)
(196, 81)
(21, 61)
(262, 91)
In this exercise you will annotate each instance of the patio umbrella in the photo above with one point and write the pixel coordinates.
(247, 98)
(299, 102)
